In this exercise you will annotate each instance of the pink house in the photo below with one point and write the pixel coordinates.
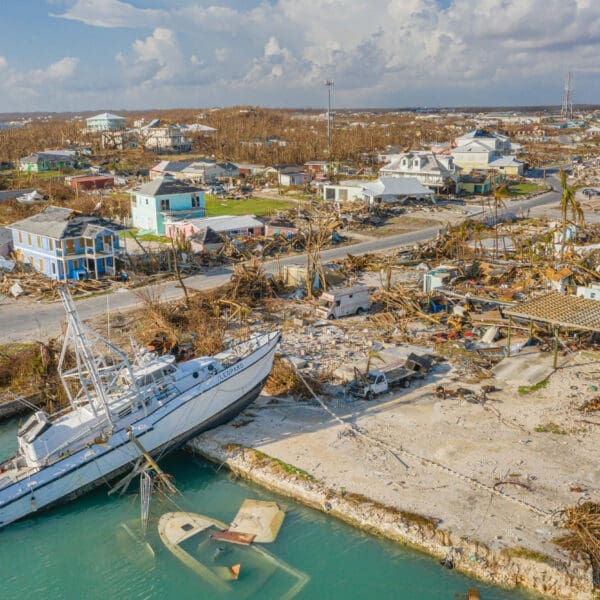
(231, 226)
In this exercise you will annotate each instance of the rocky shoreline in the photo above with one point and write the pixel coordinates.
(508, 568)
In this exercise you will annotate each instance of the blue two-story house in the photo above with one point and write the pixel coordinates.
(165, 199)
(64, 244)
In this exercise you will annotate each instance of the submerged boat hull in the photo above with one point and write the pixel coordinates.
(220, 400)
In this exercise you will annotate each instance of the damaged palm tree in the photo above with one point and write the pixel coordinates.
(568, 204)
(321, 226)
(251, 282)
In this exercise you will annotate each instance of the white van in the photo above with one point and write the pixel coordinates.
(344, 301)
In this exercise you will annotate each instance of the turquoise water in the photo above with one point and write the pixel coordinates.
(80, 550)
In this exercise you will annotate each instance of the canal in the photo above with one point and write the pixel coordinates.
(81, 550)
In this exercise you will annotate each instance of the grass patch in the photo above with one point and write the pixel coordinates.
(520, 552)
(232, 447)
(527, 389)
(145, 237)
(520, 189)
(550, 428)
(279, 466)
(216, 206)
(407, 516)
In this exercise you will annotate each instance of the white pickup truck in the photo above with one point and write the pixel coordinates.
(376, 382)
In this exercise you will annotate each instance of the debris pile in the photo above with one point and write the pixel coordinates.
(582, 539)
(284, 381)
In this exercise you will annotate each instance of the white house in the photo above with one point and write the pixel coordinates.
(435, 171)
(289, 177)
(384, 189)
(481, 149)
(201, 170)
(166, 139)
(349, 190)
(105, 122)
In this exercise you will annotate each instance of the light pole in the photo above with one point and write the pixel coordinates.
(329, 84)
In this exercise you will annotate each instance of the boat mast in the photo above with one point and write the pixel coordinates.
(89, 375)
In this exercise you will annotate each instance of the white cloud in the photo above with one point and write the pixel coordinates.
(158, 57)
(60, 70)
(222, 54)
(381, 49)
(3, 63)
(111, 13)
(37, 81)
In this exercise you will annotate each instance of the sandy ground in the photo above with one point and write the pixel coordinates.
(490, 445)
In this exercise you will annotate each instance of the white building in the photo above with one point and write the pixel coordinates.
(166, 139)
(481, 149)
(436, 171)
(202, 170)
(384, 189)
(105, 122)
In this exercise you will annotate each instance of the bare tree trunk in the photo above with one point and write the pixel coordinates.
(178, 274)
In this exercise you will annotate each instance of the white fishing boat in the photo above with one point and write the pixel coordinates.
(119, 408)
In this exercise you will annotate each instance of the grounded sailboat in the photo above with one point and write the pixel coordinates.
(118, 406)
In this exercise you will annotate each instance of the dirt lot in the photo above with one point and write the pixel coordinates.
(538, 443)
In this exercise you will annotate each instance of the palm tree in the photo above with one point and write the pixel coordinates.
(568, 203)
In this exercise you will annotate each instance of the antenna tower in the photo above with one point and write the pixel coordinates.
(329, 84)
(567, 105)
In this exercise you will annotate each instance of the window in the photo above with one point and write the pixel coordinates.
(165, 204)
(29, 242)
(195, 202)
(39, 241)
(53, 267)
(146, 201)
(20, 236)
(41, 264)
(343, 197)
(51, 244)
(70, 246)
(329, 193)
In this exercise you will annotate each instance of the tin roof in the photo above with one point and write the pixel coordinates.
(59, 222)
(559, 310)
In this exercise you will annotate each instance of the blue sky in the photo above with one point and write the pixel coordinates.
(110, 54)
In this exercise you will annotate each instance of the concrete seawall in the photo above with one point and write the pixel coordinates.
(517, 568)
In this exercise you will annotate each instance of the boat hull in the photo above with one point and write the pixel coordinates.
(161, 432)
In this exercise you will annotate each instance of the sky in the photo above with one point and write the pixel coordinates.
(74, 55)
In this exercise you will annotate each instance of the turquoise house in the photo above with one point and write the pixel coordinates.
(105, 122)
(164, 199)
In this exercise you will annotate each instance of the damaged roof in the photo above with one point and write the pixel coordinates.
(559, 310)
(165, 186)
(206, 236)
(5, 236)
(57, 222)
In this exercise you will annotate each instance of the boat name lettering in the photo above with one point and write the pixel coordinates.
(232, 371)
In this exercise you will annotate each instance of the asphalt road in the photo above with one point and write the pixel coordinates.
(25, 321)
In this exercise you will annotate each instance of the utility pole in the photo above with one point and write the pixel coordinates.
(329, 83)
